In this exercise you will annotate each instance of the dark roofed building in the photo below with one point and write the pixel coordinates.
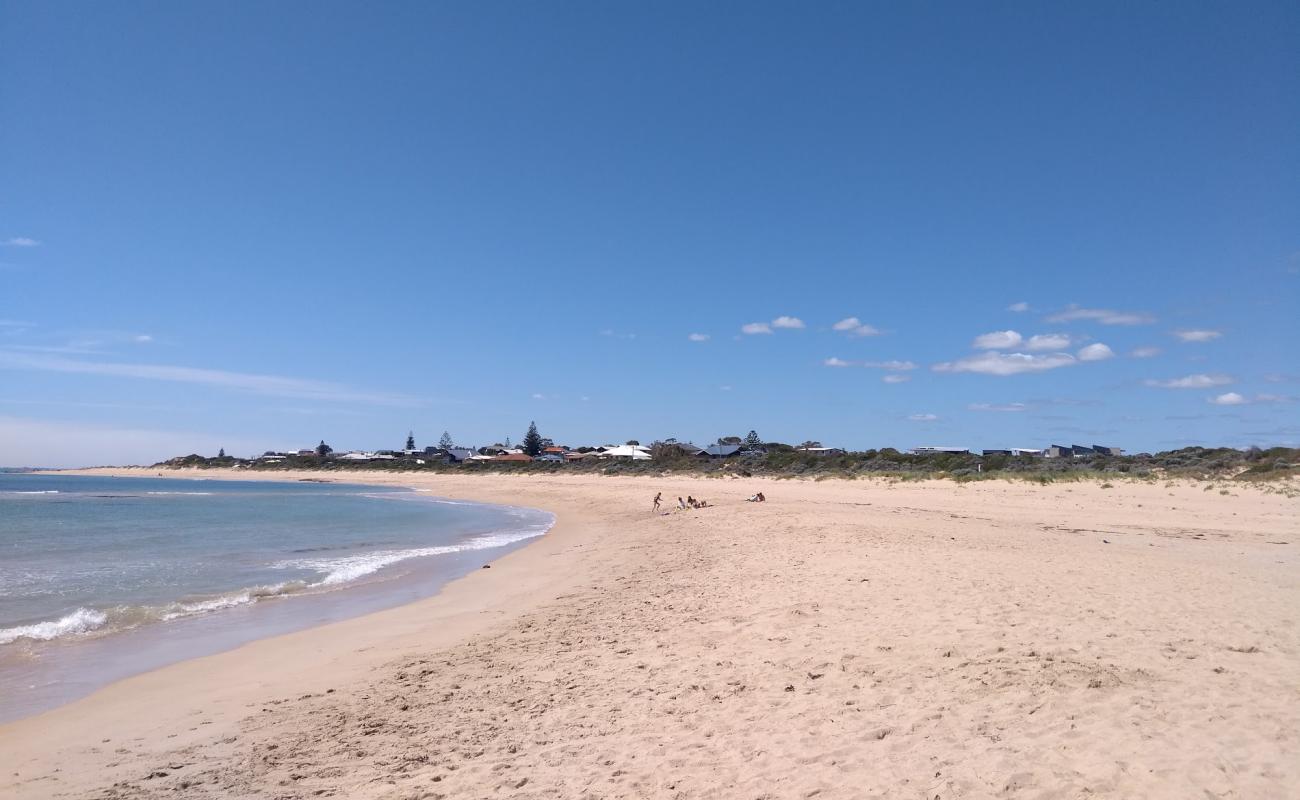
(722, 450)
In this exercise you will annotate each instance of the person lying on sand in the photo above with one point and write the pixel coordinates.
(756, 498)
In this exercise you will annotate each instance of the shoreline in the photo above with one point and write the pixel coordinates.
(125, 637)
(964, 639)
(276, 664)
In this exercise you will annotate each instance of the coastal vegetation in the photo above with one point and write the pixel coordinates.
(786, 461)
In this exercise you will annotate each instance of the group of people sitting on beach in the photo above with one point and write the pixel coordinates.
(691, 502)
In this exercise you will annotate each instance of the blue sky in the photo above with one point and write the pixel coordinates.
(258, 225)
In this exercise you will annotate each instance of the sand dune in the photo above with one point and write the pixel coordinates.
(843, 640)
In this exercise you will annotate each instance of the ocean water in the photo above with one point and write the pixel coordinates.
(101, 578)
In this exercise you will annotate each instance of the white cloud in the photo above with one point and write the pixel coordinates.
(993, 363)
(14, 323)
(753, 328)
(1199, 381)
(1095, 352)
(1018, 307)
(788, 322)
(1234, 399)
(893, 366)
(1047, 341)
(922, 417)
(613, 334)
(51, 443)
(1008, 407)
(1197, 335)
(239, 381)
(698, 337)
(855, 327)
(998, 340)
(1103, 315)
(724, 388)
(894, 377)
(143, 338)
(890, 365)
(21, 241)
(1146, 352)
(538, 396)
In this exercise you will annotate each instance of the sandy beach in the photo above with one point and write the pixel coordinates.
(846, 639)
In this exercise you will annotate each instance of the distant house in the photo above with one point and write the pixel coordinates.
(934, 451)
(1107, 451)
(455, 455)
(1026, 451)
(820, 451)
(1082, 451)
(995, 452)
(554, 458)
(722, 450)
(1059, 451)
(691, 450)
(356, 456)
(512, 457)
(633, 452)
(575, 456)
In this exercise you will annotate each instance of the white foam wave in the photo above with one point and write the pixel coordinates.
(83, 620)
(203, 494)
(351, 568)
(42, 491)
(335, 571)
(240, 598)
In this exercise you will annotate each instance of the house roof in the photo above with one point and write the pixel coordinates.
(513, 457)
(632, 451)
(722, 449)
(693, 449)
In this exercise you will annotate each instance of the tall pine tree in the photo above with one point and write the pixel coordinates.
(752, 440)
(410, 440)
(446, 442)
(532, 440)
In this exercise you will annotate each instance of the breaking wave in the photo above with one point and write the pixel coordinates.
(82, 620)
(346, 569)
(334, 573)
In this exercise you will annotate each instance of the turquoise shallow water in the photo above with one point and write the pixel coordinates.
(105, 577)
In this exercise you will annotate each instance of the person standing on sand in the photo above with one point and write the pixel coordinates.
(658, 497)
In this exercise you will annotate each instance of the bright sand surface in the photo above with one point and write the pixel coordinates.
(846, 639)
